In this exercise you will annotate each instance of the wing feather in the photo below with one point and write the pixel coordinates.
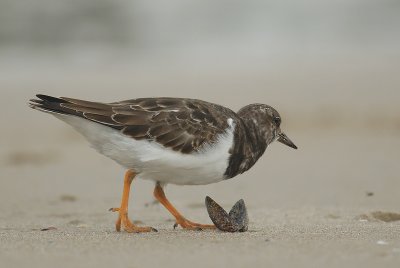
(184, 125)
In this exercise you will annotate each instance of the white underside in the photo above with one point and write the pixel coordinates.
(152, 161)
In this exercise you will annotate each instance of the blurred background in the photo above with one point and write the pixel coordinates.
(314, 58)
(330, 67)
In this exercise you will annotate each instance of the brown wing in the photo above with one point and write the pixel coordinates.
(184, 125)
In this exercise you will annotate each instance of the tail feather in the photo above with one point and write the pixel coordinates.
(50, 98)
(50, 104)
(93, 111)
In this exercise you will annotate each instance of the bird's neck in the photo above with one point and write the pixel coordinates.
(249, 146)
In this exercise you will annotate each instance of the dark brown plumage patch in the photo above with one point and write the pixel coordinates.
(137, 131)
(183, 125)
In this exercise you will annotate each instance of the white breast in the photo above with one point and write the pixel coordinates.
(154, 162)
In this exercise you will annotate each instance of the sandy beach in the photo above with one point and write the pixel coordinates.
(325, 205)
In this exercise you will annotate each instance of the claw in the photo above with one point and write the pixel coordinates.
(175, 225)
(114, 209)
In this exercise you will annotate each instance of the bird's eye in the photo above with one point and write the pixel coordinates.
(277, 121)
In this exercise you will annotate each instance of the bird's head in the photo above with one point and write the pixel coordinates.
(267, 121)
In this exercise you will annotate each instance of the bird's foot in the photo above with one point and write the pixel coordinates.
(127, 225)
(189, 225)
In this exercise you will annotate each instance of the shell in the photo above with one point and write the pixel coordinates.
(239, 214)
(236, 221)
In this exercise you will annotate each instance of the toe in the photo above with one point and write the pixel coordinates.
(194, 226)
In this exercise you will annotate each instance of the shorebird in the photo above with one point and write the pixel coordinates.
(170, 141)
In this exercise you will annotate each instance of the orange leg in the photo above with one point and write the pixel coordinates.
(123, 210)
(182, 221)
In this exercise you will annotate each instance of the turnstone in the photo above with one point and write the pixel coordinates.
(170, 140)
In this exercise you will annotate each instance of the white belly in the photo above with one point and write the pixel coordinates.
(154, 162)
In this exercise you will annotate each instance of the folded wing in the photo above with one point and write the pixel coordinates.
(184, 125)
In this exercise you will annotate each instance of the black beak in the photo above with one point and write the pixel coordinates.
(285, 140)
